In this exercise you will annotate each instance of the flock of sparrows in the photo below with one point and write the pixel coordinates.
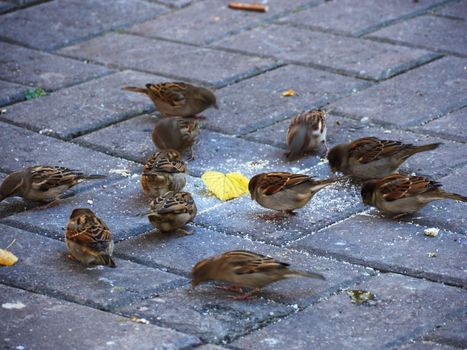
(375, 161)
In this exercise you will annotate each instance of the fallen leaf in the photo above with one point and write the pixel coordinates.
(6, 257)
(360, 296)
(139, 320)
(289, 92)
(431, 232)
(225, 186)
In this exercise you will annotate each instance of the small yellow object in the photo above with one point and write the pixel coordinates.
(7, 258)
(289, 92)
(225, 186)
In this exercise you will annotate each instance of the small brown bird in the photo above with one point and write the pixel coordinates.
(244, 269)
(285, 191)
(404, 194)
(176, 133)
(163, 172)
(306, 132)
(171, 211)
(42, 183)
(88, 239)
(178, 99)
(370, 157)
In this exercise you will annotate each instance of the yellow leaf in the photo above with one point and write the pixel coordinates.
(225, 186)
(7, 258)
(289, 92)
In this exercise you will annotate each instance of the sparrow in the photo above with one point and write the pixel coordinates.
(42, 183)
(171, 211)
(305, 133)
(400, 194)
(178, 99)
(176, 133)
(244, 269)
(163, 172)
(370, 157)
(88, 239)
(285, 191)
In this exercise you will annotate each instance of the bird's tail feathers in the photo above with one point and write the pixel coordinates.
(417, 149)
(306, 274)
(455, 196)
(135, 89)
(95, 177)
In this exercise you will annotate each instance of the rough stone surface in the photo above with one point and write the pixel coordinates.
(456, 10)
(49, 271)
(82, 108)
(337, 322)
(381, 235)
(39, 69)
(436, 33)
(45, 322)
(453, 333)
(179, 253)
(356, 18)
(414, 97)
(72, 20)
(210, 347)
(358, 57)
(425, 346)
(10, 92)
(451, 125)
(203, 65)
(258, 102)
(6, 6)
(207, 21)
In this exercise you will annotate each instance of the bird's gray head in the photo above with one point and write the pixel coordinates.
(12, 185)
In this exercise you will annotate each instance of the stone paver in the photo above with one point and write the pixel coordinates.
(49, 271)
(456, 10)
(426, 346)
(45, 322)
(82, 108)
(72, 20)
(258, 102)
(354, 56)
(180, 253)
(6, 6)
(203, 65)
(50, 72)
(450, 125)
(338, 323)
(10, 92)
(381, 235)
(356, 17)
(207, 21)
(436, 33)
(453, 333)
(414, 97)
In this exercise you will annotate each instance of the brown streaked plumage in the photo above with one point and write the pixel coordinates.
(176, 133)
(171, 211)
(42, 183)
(88, 238)
(404, 194)
(178, 99)
(305, 133)
(370, 157)
(244, 269)
(285, 191)
(163, 172)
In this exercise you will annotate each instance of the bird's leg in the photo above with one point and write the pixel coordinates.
(185, 232)
(327, 148)
(398, 216)
(233, 288)
(198, 116)
(192, 154)
(71, 257)
(245, 296)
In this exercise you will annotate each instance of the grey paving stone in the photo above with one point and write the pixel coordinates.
(207, 21)
(210, 347)
(120, 204)
(132, 140)
(6, 6)
(48, 323)
(179, 253)
(50, 72)
(457, 10)
(187, 62)
(437, 33)
(400, 314)
(414, 97)
(354, 56)
(452, 333)
(450, 125)
(82, 108)
(174, 3)
(205, 314)
(10, 92)
(419, 345)
(22, 148)
(394, 246)
(43, 267)
(72, 20)
(255, 103)
(356, 17)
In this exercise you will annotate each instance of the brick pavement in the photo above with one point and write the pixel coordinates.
(392, 69)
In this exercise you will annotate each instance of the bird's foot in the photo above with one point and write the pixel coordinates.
(236, 289)
(398, 216)
(185, 232)
(245, 296)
